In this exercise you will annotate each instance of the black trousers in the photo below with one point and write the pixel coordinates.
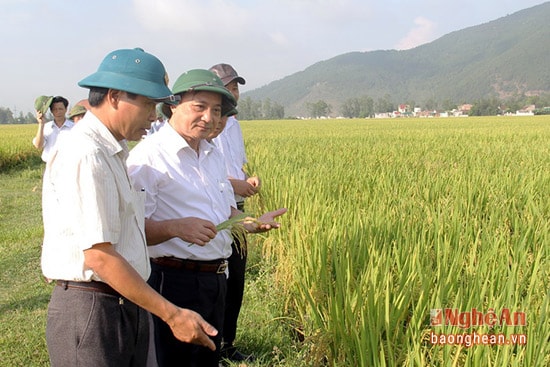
(235, 291)
(95, 329)
(201, 292)
(235, 285)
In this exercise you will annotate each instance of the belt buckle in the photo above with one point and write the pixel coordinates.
(222, 267)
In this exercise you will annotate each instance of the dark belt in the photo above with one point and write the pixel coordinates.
(240, 205)
(214, 266)
(92, 286)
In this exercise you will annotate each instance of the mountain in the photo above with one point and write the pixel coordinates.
(505, 57)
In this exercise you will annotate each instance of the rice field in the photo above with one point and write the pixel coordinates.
(16, 145)
(392, 223)
(391, 219)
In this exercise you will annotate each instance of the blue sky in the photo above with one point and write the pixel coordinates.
(48, 46)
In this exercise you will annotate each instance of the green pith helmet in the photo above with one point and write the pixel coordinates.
(232, 112)
(134, 71)
(202, 80)
(42, 103)
(77, 110)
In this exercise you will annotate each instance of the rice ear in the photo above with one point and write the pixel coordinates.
(228, 224)
(235, 225)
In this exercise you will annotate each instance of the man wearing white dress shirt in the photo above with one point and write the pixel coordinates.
(231, 143)
(49, 132)
(188, 194)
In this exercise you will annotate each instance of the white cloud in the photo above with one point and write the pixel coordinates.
(340, 11)
(194, 17)
(278, 38)
(424, 32)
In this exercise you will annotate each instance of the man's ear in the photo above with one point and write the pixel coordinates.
(114, 97)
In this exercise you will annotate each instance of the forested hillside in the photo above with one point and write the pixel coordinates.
(506, 59)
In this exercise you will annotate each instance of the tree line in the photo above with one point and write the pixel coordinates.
(8, 117)
(357, 107)
(366, 106)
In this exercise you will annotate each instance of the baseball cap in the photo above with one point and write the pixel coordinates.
(134, 71)
(42, 103)
(202, 80)
(227, 73)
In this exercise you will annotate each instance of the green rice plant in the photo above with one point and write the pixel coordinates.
(389, 219)
(16, 147)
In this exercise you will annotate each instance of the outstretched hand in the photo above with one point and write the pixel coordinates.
(189, 327)
(266, 222)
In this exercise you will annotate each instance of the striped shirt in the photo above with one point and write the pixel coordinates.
(87, 199)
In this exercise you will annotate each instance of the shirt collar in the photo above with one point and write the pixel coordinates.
(174, 142)
(68, 123)
(92, 126)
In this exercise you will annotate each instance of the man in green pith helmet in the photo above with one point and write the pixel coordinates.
(76, 113)
(187, 195)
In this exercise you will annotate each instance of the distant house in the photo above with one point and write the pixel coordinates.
(402, 108)
(526, 111)
(382, 115)
(425, 114)
(462, 110)
(465, 108)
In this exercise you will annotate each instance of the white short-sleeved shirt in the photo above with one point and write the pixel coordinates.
(87, 199)
(179, 183)
(231, 144)
(51, 135)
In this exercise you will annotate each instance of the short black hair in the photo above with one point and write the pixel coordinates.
(97, 95)
(58, 99)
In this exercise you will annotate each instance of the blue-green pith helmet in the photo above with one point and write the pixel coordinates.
(134, 71)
